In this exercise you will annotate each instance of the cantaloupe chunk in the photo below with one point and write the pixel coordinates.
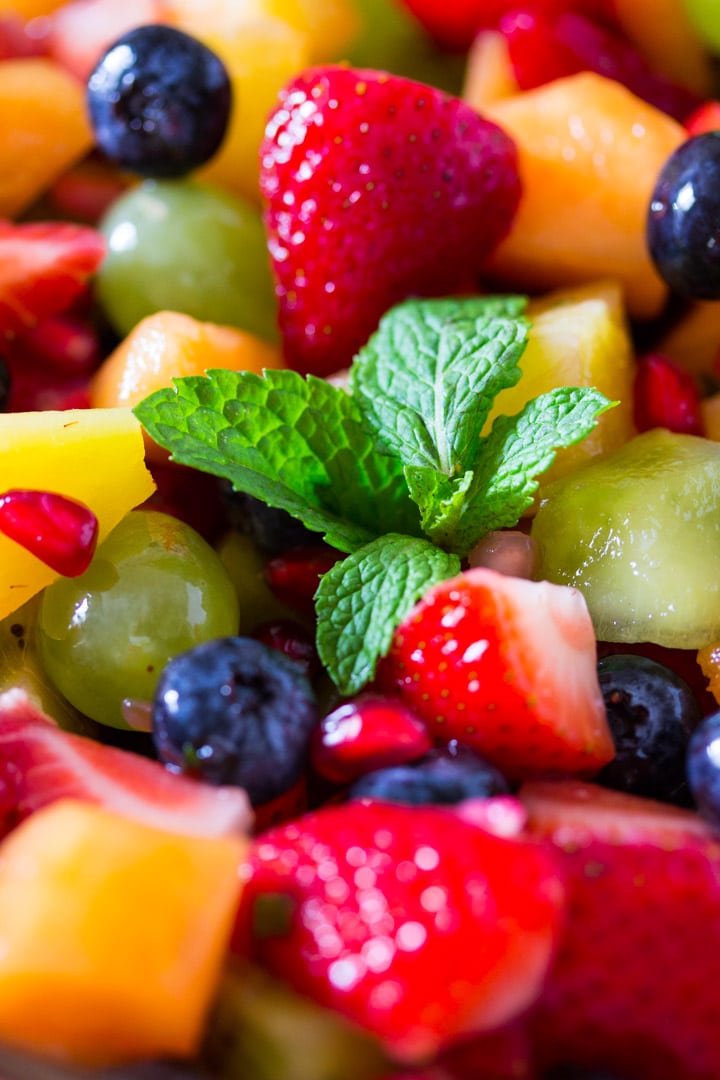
(43, 129)
(96, 456)
(112, 934)
(694, 340)
(589, 154)
(578, 338)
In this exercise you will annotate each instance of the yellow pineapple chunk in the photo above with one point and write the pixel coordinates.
(578, 337)
(96, 456)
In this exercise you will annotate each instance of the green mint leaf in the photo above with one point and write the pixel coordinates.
(297, 444)
(518, 450)
(440, 500)
(363, 598)
(427, 378)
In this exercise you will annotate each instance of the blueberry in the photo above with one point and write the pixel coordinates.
(703, 767)
(235, 711)
(652, 713)
(448, 774)
(159, 101)
(683, 224)
(273, 530)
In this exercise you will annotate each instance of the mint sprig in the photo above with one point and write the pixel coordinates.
(400, 456)
(362, 599)
(297, 444)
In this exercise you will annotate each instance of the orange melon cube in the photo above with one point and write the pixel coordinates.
(589, 153)
(29, 9)
(43, 129)
(489, 73)
(694, 340)
(112, 934)
(96, 456)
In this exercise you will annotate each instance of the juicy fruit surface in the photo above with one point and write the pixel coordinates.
(376, 188)
(644, 887)
(637, 533)
(586, 186)
(508, 667)
(68, 878)
(43, 129)
(94, 456)
(385, 895)
(42, 764)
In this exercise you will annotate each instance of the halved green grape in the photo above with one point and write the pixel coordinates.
(189, 247)
(154, 589)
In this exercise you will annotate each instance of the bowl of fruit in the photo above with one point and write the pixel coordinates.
(359, 540)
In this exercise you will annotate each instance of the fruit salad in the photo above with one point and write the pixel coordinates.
(359, 540)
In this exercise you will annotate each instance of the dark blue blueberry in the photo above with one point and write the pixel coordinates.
(448, 774)
(683, 224)
(273, 530)
(652, 713)
(159, 101)
(234, 711)
(703, 767)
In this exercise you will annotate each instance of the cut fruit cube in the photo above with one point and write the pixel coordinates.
(489, 74)
(638, 533)
(96, 456)
(112, 934)
(43, 129)
(578, 338)
(590, 153)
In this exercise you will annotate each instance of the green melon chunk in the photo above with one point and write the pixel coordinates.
(638, 532)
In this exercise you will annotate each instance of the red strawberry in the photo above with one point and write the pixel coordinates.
(411, 921)
(44, 267)
(665, 395)
(365, 733)
(507, 666)
(705, 118)
(377, 187)
(40, 763)
(454, 23)
(544, 48)
(636, 983)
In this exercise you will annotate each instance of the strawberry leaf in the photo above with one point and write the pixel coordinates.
(427, 378)
(363, 598)
(517, 450)
(297, 444)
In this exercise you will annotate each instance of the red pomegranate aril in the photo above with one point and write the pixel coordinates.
(294, 577)
(369, 732)
(664, 395)
(292, 639)
(61, 532)
(705, 118)
(509, 551)
(63, 343)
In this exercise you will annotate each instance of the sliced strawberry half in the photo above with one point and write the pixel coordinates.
(635, 987)
(44, 267)
(411, 921)
(377, 188)
(40, 763)
(507, 666)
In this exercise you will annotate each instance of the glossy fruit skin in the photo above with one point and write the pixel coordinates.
(703, 767)
(366, 733)
(665, 395)
(61, 532)
(376, 188)
(412, 922)
(682, 218)
(445, 775)
(235, 711)
(154, 589)
(652, 713)
(159, 101)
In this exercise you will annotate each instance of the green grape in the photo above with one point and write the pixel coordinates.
(154, 589)
(184, 246)
(705, 17)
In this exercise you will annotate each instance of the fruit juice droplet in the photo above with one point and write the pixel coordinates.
(62, 532)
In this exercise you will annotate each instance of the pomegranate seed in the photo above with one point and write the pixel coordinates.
(508, 551)
(665, 396)
(85, 192)
(705, 118)
(61, 532)
(293, 640)
(294, 577)
(64, 344)
(366, 733)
